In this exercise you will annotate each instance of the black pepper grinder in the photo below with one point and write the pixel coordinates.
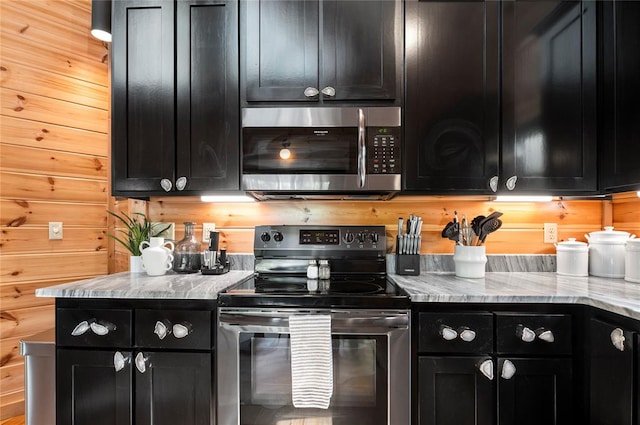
(223, 257)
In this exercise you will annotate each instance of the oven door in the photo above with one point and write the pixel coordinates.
(370, 366)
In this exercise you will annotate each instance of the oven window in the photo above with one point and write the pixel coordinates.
(360, 382)
(300, 150)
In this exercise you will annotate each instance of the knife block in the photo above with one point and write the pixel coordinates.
(408, 264)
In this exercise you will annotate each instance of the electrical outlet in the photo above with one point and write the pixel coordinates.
(206, 228)
(550, 232)
(55, 230)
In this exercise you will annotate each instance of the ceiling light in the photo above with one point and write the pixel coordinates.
(511, 198)
(101, 19)
(227, 198)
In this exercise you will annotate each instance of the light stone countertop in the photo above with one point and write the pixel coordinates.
(141, 286)
(614, 295)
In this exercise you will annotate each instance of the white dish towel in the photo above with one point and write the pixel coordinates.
(311, 360)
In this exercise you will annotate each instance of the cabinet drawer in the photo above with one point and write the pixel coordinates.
(533, 333)
(93, 328)
(176, 329)
(455, 333)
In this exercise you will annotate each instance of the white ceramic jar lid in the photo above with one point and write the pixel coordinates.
(572, 245)
(608, 235)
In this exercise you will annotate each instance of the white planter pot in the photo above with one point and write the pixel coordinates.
(135, 264)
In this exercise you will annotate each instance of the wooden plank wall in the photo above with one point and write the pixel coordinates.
(54, 165)
(626, 212)
(522, 231)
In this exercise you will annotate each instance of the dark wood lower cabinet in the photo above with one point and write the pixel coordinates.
(453, 391)
(538, 393)
(89, 389)
(174, 389)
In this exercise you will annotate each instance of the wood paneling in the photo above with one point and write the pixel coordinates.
(626, 212)
(54, 166)
(522, 230)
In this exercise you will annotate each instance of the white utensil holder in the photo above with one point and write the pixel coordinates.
(470, 261)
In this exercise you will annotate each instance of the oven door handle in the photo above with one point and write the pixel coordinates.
(362, 148)
(339, 323)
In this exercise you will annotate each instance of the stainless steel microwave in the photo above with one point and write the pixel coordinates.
(321, 152)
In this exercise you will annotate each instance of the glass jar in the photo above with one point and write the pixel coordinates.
(324, 272)
(312, 270)
(186, 254)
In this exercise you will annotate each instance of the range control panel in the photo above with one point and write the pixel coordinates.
(299, 239)
(383, 150)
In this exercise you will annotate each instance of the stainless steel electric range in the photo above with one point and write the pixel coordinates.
(370, 329)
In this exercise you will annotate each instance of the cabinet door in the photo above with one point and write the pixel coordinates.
(358, 49)
(611, 376)
(207, 95)
(89, 389)
(280, 49)
(452, 95)
(143, 131)
(534, 391)
(453, 391)
(175, 388)
(621, 111)
(549, 94)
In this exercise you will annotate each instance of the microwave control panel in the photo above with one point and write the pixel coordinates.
(383, 150)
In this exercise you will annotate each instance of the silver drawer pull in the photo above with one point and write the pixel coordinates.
(545, 335)
(467, 335)
(119, 361)
(486, 368)
(162, 329)
(180, 330)
(166, 185)
(448, 333)
(525, 334)
(80, 328)
(311, 91)
(618, 339)
(141, 363)
(508, 369)
(181, 183)
(102, 328)
(329, 91)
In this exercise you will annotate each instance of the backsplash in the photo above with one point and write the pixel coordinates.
(495, 263)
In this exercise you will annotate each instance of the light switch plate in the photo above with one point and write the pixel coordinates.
(55, 230)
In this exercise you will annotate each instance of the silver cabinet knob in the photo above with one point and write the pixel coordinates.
(180, 330)
(166, 185)
(448, 333)
(311, 92)
(545, 335)
(181, 183)
(80, 328)
(511, 182)
(508, 369)
(119, 361)
(525, 334)
(141, 363)
(162, 329)
(618, 339)
(329, 91)
(467, 335)
(486, 368)
(102, 328)
(493, 184)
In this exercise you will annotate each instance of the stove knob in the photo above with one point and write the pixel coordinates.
(348, 237)
(373, 237)
(265, 237)
(362, 237)
(277, 236)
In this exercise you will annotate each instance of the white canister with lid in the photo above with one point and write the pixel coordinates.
(607, 252)
(572, 258)
(632, 261)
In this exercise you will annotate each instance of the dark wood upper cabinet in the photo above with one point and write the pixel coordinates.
(321, 51)
(549, 97)
(452, 96)
(175, 97)
(620, 85)
(478, 121)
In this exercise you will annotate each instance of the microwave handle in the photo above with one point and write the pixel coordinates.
(362, 148)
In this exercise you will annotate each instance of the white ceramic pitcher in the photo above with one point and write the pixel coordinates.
(157, 258)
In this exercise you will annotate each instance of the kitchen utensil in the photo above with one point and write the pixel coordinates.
(476, 225)
(451, 231)
(607, 252)
(489, 226)
(572, 258)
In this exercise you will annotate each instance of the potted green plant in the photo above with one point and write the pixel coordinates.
(137, 229)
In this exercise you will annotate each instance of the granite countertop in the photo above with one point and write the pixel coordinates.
(140, 285)
(614, 295)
